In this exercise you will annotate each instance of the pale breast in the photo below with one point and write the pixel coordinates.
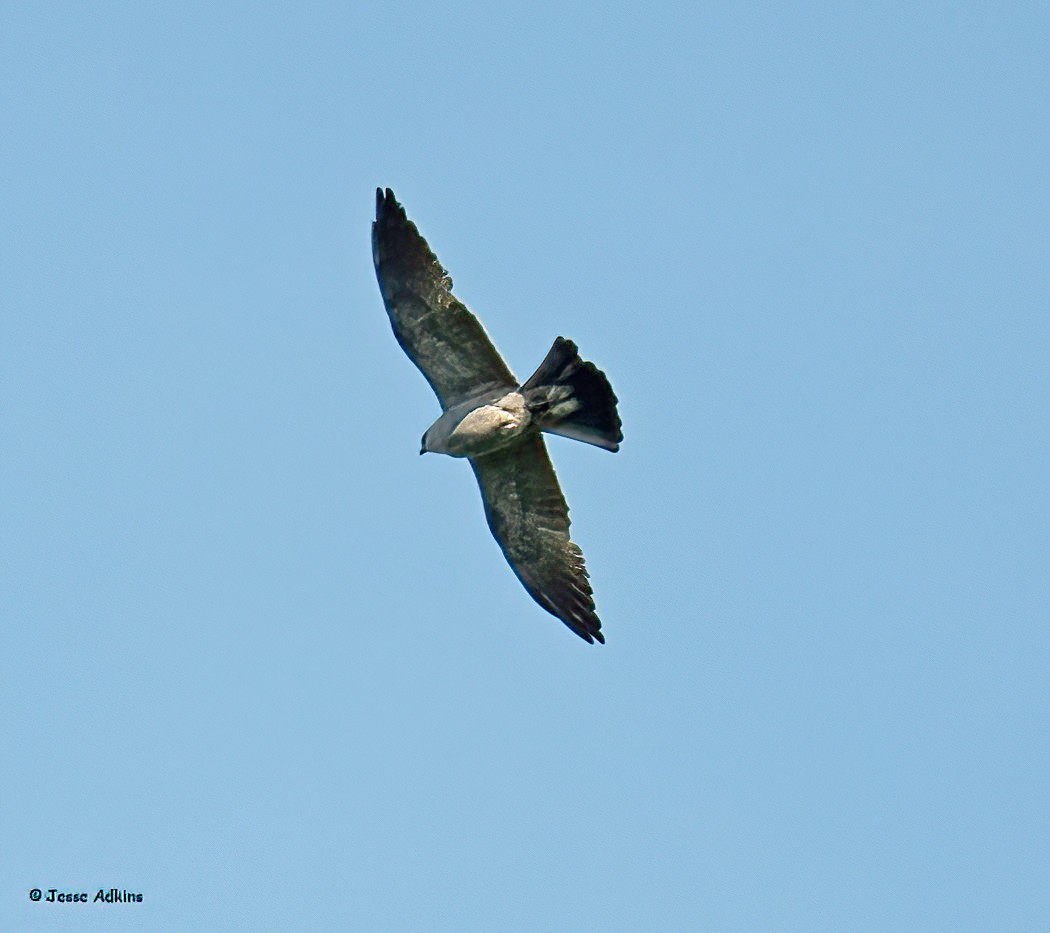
(490, 427)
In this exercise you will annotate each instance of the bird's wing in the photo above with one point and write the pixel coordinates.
(434, 328)
(530, 520)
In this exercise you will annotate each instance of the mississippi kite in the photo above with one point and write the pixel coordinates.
(495, 421)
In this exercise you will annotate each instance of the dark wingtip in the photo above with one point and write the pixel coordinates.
(385, 200)
(387, 205)
(589, 635)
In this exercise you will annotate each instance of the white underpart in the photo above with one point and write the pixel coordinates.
(514, 405)
(563, 409)
(488, 427)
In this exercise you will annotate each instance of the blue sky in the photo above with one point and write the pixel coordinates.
(265, 665)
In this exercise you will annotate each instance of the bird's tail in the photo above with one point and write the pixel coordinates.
(572, 397)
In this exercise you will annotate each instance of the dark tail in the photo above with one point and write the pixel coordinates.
(572, 397)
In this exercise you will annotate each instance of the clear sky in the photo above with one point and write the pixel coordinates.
(265, 665)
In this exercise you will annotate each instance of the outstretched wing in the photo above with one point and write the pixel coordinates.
(530, 520)
(434, 328)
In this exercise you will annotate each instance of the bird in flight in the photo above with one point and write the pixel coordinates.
(496, 422)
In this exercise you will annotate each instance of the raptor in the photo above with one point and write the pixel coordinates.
(495, 421)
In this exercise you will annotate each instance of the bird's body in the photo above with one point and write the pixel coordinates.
(495, 422)
(478, 427)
